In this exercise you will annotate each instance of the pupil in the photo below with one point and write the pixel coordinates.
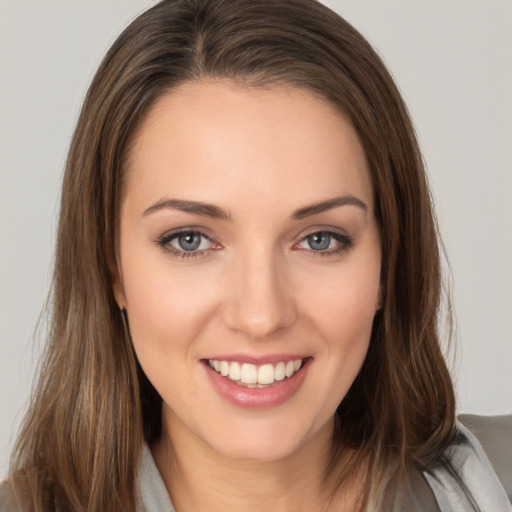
(189, 241)
(319, 241)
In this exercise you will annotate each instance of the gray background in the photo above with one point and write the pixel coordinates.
(452, 61)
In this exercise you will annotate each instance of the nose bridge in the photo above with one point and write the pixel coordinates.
(262, 302)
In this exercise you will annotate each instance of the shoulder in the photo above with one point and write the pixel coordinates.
(467, 481)
(494, 433)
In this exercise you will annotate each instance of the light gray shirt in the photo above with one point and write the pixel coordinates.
(465, 453)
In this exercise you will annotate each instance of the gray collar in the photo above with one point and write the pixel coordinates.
(152, 494)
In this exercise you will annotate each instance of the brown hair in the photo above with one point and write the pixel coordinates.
(93, 407)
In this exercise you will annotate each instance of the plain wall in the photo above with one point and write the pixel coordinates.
(452, 61)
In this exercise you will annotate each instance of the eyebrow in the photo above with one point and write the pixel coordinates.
(323, 206)
(216, 212)
(195, 207)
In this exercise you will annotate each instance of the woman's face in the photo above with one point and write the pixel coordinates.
(249, 264)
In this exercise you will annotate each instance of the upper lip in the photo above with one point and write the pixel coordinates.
(257, 360)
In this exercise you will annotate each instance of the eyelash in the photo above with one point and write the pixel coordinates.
(164, 243)
(345, 243)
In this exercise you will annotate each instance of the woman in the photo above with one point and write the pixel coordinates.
(246, 282)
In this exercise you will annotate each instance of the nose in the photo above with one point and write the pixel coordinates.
(260, 299)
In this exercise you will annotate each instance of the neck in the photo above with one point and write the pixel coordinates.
(200, 479)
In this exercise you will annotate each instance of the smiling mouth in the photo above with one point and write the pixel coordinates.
(253, 376)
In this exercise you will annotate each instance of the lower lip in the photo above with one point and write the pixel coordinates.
(256, 398)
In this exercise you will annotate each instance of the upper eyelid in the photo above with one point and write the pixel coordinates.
(340, 235)
(164, 241)
(322, 229)
(176, 234)
(178, 231)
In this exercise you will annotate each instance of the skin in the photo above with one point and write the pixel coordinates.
(255, 287)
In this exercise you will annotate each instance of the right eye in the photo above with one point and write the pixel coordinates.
(187, 243)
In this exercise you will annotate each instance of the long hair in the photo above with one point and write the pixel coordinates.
(93, 407)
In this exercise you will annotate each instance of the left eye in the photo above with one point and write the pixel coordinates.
(189, 241)
(319, 241)
(324, 241)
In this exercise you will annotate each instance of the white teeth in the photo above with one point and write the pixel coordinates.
(279, 372)
(249, 374)
(253, 376)
(224, 368)
(266, 374)
(234, 371)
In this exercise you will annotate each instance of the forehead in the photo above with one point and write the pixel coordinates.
(215, 140)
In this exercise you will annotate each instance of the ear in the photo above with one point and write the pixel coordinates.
(118, 287)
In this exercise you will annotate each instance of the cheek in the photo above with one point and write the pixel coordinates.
(346, 305)
(165, 315)
(166, 308)
(344, 315)
(347, 331)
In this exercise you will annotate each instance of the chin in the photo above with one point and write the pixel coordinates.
(266, 447)
(265, 440)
